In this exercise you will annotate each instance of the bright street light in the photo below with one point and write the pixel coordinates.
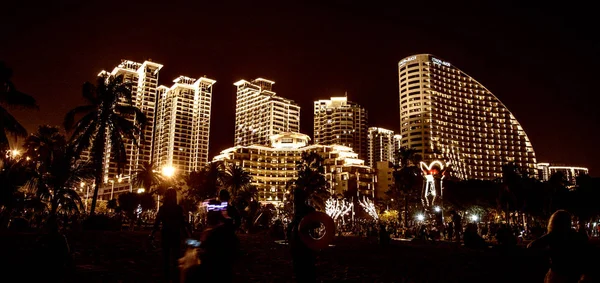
(420, 217)
(15, 153)
(168, 171)
(141, 190)
(437, 209)
(474, 217)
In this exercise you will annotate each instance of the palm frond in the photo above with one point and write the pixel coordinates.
(69, 122)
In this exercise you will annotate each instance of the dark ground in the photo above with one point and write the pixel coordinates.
(128, 257)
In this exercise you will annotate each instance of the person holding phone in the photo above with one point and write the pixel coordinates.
(217, 247)
(172, 223)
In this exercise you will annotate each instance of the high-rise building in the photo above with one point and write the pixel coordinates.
(260, 113)
(382, 145)
(385, 179)
(445, 114)
(342, 122)
(144, 79)
(273, 167)
(546, 170)
(183, 124)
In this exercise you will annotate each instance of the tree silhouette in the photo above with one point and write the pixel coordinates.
(146, 176)
(11, 98)
(57, 173)
(311, 179)
(235, 179)
(105, 118)
(407, 178)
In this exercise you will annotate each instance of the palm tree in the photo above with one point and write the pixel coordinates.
(41, 145)
(236, 179)
(146, 176)
(10, 97)
(57, 173)
(311, 179)
(406, 176)
(107, 117)
(14, 173)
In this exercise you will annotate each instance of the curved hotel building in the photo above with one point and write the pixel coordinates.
(447, 115)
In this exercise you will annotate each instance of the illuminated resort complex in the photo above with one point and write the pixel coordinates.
(447, 115)
(272, 167)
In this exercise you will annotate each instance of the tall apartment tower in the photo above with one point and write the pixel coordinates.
(382, 145)
(446, 114)
(260, 113)
(342, 122)
(183, 124)
(144, 77)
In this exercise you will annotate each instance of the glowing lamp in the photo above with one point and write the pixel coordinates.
(437, 209)
(140, 190)
(168, 171)
(474, 217)
(420, 217)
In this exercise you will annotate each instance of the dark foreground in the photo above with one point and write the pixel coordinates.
(128, 257)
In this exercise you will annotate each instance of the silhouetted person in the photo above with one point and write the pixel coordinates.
(450, 231)
(303, 258)
(506, 237)
(567, 249)
(233, 219)
(171, 216)
(457, 221)
(218, 249)
(384, 236)
(54, 254)
(472, 239)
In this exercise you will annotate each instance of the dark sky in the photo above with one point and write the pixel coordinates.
(541, 61)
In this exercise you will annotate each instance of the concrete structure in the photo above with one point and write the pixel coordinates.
(260, 113)
(183, 124)
(342, 122)
(385, 179)
(273, 167)
(546, 170)
(382, 144)
(144, 79)
(445, 114)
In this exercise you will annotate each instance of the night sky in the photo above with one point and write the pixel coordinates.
(541, 61)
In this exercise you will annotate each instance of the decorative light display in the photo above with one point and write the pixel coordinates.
(369, 207)
(432, 172)
(336, 208)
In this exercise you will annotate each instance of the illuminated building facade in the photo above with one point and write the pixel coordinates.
(546, 170)
(183, 124)
(445, 114)
(260, 113)
(382, 145)
(342, 122)
(272, 167)
(144, 79)
(385, 179)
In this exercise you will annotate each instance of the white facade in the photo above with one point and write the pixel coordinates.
(342, 122)
(444, 110)
(273, 167)
(144, 77)
(546, 170)
(382, 145)
(183, 124)
(260, 113)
